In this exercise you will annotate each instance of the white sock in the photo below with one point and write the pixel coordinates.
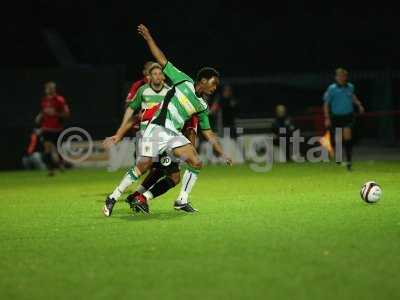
(188, 181)
(130, 177)
(148, 195)
(140, 189)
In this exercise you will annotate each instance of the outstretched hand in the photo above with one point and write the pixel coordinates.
(110, 141)
(144, 32)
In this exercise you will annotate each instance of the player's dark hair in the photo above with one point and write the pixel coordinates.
(206, 73)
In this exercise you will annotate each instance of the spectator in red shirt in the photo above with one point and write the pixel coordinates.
(54, 111)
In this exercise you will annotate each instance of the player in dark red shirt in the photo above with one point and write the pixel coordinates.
(54, 110)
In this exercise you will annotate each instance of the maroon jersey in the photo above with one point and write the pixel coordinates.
(52, 107)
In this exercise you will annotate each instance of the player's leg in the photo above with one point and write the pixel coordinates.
(140, 202)
(336, 130)
(51, 156)
(162, 186)
(48, 157)
(188, 180)
(170, 178)
(156, 174)
(348, 146)
(151, 179)
(189, 154)
(151, 145)
(57, 158)
(180, 147)
(133, 174)
(186, 152)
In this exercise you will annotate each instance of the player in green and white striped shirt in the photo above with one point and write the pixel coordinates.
(147, 96)
(163, 133)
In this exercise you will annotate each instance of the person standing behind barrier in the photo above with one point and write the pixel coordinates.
(283, 128)
(339, 100)
(228, 104)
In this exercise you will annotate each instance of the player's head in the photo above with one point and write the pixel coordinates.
(280, 111)
(227, 91)
(50, 88)
(341, 76)
(156, 76)
(146, 67)
(207, 80)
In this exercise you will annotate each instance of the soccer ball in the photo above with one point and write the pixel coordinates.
(371, 192)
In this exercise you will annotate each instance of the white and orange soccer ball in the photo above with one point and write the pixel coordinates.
(371, 192)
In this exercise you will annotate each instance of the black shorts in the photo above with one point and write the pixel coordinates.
(342, 121)
(51, 136)
(166, 164)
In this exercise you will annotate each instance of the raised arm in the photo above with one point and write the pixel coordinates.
(155, 51)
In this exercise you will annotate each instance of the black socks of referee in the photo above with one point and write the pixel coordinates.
(162, 186)
(348, 147)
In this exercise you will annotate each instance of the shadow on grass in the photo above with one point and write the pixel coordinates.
(157, 215)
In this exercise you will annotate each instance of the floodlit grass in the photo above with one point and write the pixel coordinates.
(300, 231)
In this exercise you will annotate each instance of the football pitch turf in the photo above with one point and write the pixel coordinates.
(300, 231)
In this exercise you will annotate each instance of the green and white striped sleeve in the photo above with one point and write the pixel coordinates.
(174, 74)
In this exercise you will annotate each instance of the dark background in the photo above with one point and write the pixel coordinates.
(243, 39)
(246, 38)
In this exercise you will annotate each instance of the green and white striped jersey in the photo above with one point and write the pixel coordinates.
(184, 103)
(146, 98)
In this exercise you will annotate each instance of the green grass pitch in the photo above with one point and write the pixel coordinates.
(300, 231)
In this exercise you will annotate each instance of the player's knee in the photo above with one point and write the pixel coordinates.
(196, 164)
(144, 164)
(175, 178)
(347, 137)
(347, 134)
(46, 147)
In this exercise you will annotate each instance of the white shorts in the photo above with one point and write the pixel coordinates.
(157, 140)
